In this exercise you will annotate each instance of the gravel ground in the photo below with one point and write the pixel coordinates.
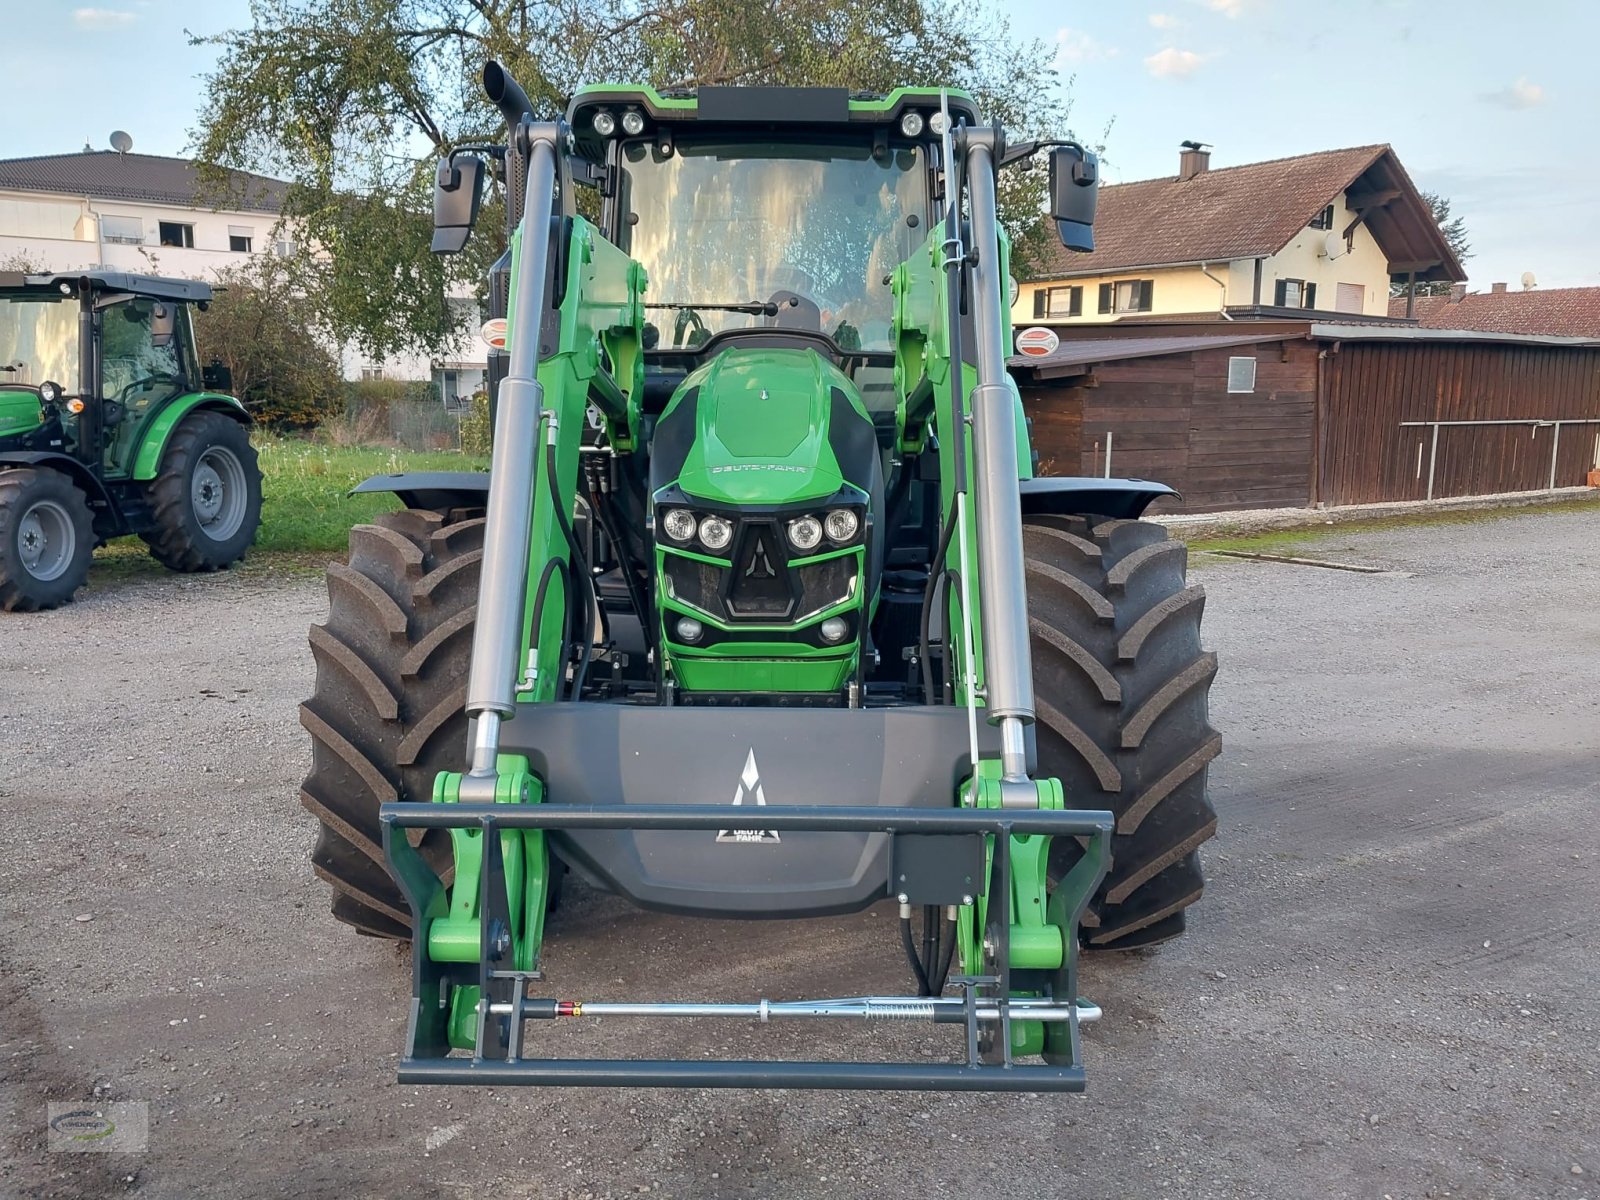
(1389, 990)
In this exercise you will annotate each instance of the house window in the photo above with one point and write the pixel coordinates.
(1324, 219)
(1294, 293)
(1058, 302)
(1350, 298)
(371, 373)
(121, 231)
(1242, 375)
(1127, 296)
(283, 248)
(240, 238)
(175, 234)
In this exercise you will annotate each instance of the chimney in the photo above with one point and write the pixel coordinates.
(1497, 287)
(1458, 293)
(1194, 159)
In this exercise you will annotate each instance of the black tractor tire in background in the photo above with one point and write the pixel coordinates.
(1121, 686)
(205, 502)
(387, 713)
(46, 539)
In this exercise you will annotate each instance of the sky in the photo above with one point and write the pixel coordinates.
(1489, 103)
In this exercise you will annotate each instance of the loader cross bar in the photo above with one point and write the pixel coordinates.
(803, 818)
(504, 1004)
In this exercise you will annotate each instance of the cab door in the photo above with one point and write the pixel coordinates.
(146, 360)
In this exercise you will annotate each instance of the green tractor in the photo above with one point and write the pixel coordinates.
(760, 612)
(109, 426)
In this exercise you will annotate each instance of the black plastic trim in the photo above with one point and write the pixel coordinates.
(1124, 499)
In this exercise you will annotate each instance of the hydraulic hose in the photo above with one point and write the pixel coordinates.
(936, 574)
(908, 943)
(592, 607)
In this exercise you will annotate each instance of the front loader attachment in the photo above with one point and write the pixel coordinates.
(469, 1019)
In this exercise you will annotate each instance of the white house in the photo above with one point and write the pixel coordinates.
(1321, 232)
(147, 213)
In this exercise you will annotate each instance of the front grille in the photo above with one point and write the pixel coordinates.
(761, 588)
(825, 584)
(698, 584)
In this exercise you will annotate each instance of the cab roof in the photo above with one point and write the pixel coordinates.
(761, 106)
(71, 283)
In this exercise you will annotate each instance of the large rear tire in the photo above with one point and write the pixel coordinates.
(387, 712)
(46, 539)
(1121, 686)
(205, 502)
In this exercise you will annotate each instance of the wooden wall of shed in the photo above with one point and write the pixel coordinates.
(1373, 386)
(1172, 419)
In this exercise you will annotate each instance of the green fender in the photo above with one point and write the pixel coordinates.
(154, 443)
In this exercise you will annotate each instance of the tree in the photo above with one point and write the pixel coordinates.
(263, 330)
(1454, 229)
(352, 100)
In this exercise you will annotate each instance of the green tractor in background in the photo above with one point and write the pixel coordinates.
(760, 612)
(109, 426)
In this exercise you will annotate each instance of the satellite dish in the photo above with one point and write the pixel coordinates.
(120, 141)
(1528, 281)
(1333, 244)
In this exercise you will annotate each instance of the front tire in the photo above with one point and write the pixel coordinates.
(388, 712)
(46, 539)
(1121, 686)
(206, 500)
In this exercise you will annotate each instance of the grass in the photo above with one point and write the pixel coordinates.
(306, 513)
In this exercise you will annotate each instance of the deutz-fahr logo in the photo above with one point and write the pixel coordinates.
(749, 785)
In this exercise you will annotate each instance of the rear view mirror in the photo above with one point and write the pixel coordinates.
(457, 192)
(1074, 186)
(163, 323)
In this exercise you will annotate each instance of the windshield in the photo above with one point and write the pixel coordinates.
(39, 341)
(810, 230)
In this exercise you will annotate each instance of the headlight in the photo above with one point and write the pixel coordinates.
(805, 533)
(689, 630)
(679, 524)
(936, 124)
(911, 124)
(715, 533)
(834, 629)
(604, 123)
(49, 392)
(841, 525)
(632, 123)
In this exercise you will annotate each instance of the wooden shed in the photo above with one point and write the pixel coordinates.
(1279, 414)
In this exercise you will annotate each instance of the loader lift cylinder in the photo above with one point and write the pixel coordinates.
(1008, 668)
(492, 675)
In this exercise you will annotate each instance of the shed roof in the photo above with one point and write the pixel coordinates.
(147, 178)
(1255, 210)
(1564, 312)
(1072, 355)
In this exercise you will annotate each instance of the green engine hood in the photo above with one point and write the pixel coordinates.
(763, 427)
(19, 411)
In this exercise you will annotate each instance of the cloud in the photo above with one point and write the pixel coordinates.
(1518, 96)
(1228, 8)
(1164, 21)
(1173, 63)
(1075, 46)
(102, 18)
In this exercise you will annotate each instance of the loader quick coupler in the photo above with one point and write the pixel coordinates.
(476, 949)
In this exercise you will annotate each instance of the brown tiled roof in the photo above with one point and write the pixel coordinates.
(1253, 211)
(149, 178)
(1558, 312)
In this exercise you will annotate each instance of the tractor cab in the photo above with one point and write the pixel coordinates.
(99, 373)
(771, 225)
